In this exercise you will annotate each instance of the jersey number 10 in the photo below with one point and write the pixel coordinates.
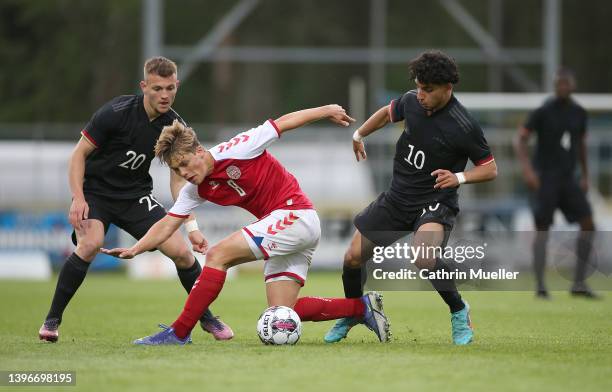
(418, 160)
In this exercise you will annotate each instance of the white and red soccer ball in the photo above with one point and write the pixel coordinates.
(279, 325)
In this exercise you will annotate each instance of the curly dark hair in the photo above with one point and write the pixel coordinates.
(434, 67)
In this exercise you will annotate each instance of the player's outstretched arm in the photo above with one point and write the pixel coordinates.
(447, 179)
(335, 114)
(157, 234)
(376, 121)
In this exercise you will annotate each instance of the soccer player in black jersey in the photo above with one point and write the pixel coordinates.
(110, 183)
(439, 137)
(560, 125)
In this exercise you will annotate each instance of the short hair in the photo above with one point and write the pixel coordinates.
(434, 67)
(175, 140)
(159, 66)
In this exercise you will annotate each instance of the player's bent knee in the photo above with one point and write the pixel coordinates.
(184, 259)
(87, 249)
(352, 259)
(423, 263)
(215, 258)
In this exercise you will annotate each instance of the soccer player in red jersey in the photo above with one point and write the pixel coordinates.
(240, 172)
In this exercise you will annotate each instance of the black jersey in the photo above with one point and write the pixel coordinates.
(559, 124)
(125, 141)
(442, 140)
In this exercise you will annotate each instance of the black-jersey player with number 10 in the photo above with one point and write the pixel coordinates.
(431, 154)
(110, 183)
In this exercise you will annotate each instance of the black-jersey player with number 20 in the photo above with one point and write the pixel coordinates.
(431, 154)
(110, 183)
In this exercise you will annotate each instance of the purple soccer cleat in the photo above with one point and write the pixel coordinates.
(165, 337)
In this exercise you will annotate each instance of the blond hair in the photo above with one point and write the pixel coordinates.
(174, 141)
(159, 66)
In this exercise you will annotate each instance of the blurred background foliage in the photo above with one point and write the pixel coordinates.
(62, 59)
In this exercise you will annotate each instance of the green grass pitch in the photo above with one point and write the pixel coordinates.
(521, 343)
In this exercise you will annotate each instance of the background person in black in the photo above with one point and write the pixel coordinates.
(439, 136)
(110, 183)
(560, 125)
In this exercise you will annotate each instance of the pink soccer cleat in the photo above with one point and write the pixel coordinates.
(217, 328)
(49, 331)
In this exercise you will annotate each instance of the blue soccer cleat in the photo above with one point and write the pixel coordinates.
(165, 337)
(340, 329)
(462, 326)
(374, 317)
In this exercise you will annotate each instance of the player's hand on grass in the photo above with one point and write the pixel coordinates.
(337, 114)
(122, 253)
(79, 211)
(199, 242)
(445, 179)
(359, 150)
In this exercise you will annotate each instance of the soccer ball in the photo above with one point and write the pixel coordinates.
(279, 325)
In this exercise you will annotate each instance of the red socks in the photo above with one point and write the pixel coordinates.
(203, 293)
(321, 309)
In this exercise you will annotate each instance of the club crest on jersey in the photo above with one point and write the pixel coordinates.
(233, 172)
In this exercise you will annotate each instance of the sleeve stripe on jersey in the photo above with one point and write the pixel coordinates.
(275, 127)
(391, 110)
(88, 136)
(261, 248)
(485, 161)
(178, 215)
(291, 275)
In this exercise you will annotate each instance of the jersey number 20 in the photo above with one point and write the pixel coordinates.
(134, 161)
(418, 160)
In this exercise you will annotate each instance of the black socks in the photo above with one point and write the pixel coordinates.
(351, 280)
(68, 282)
(447, 289)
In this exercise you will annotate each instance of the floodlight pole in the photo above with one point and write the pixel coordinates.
(378, 34)
(377, 55)
(552, 41)
(152, 28)
(496, 23)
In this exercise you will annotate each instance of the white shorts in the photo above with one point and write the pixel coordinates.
(286, 239)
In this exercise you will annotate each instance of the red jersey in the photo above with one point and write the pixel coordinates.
(247, 176)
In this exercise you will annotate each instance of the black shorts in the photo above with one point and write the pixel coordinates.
(135, 216)
(562, 192)
(383, 223)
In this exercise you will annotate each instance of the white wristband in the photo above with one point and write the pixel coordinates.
(191, 225)
(357, 137)
(460, 177)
